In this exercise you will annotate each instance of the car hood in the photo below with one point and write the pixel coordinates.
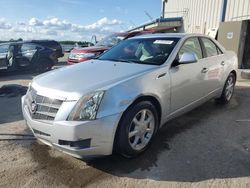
(72, 82)
(90, 49)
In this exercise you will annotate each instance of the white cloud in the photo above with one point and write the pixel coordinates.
(49, 32)
(103, 22)
(20, 23)
(54, 28)
(4, 24)
(57, 24)
(35, 22)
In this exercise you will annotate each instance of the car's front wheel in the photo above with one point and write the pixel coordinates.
(137, 129)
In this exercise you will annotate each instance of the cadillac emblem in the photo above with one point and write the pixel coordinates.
(33, 107)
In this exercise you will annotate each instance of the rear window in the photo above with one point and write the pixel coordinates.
(49, 44)
(53, 45)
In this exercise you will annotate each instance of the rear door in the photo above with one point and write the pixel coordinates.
(26, 52)
(214, 60)
(186, 79)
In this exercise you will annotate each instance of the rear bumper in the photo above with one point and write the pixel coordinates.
(79, 139)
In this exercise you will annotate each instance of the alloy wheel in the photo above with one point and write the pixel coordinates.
(229, 88)
(141, 129)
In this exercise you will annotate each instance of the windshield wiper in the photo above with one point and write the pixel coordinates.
(125, 61)
(137, 62)
(116, 60)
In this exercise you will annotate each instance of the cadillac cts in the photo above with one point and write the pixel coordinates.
(120, 100)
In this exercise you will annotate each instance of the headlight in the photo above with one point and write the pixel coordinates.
(85, 55)
(87, 107)
(81, 55)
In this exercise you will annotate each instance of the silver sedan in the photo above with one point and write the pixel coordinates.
(119, 101)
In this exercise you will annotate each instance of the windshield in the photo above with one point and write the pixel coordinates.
(110, 40)
(144, 50)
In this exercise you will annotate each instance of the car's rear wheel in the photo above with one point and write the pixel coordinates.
(228, 89)
(43, 65)
(137, 129)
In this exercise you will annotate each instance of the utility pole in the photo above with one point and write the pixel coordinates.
(163, 3)
(223, 10)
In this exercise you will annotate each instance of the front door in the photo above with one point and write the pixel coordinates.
(3, 56)
(186, 79)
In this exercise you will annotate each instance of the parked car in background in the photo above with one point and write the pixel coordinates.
(83, 54)
(37, 55)
(120, 100)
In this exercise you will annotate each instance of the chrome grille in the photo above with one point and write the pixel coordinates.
(46, 108)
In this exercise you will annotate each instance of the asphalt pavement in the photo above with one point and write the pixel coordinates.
(207, 147)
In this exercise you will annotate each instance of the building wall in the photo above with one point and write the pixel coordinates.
(200, 16)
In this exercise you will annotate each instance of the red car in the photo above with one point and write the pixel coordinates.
(83, 54)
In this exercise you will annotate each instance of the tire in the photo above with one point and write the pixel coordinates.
(228, 90)
(43, 65)
(133, 137)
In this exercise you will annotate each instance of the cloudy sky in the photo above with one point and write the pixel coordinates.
(72, 19)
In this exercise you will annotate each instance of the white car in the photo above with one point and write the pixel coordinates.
(120, 100)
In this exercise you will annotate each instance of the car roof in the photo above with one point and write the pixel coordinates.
(167, 35)
(4, 43)
(44, 43)
(30, 41)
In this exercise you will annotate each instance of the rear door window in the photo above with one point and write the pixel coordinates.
(28, 50)
(210, 47)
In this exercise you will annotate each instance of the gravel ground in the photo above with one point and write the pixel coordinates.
(208, 147)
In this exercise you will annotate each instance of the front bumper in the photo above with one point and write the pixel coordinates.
(96, 137)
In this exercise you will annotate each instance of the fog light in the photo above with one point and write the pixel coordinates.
(81, 144)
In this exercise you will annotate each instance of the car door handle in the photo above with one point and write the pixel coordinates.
(161, 75)
(204, 70)
(222, 63)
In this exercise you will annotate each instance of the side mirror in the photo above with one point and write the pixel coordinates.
(188, 57)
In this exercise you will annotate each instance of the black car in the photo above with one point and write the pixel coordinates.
(37, 55)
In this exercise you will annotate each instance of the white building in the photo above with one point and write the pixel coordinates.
(201, 16)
